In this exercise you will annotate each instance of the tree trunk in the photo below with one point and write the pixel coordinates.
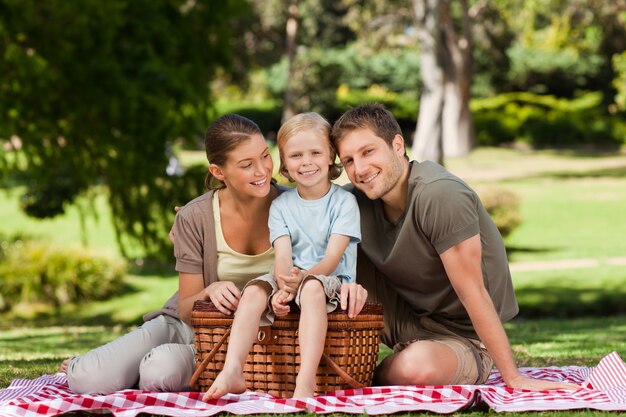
(292, 33)
(444, 127)
(427, 142)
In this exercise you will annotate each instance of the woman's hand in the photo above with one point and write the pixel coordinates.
(224, 295)
(353, 297)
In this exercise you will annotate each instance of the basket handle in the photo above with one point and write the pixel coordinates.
(331, 363)
(342, 374)
(207, 359)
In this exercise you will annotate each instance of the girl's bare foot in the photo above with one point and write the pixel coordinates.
(227, 382)
(64, 365)
(304, 389)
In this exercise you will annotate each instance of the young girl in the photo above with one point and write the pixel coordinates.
(314, 229)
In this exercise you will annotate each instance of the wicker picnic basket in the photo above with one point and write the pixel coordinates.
(348, 361)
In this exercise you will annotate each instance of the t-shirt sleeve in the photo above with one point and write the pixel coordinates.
(347, 222)
(448, 213)
(277, 224)
(188, 246)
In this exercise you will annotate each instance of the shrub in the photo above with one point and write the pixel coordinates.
(546, 121)
(35, 273)
(503, 207)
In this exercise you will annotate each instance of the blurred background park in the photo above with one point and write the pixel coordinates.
(103, 106)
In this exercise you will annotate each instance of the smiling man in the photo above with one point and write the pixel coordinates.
(433, 257)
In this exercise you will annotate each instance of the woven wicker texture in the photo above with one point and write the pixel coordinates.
(272, 365)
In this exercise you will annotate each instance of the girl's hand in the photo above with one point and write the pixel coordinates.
(280, 302)
(224, 295)
(292, 281)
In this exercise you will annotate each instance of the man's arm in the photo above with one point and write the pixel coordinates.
(463, 266)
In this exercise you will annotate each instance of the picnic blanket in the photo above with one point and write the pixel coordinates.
(604, 388)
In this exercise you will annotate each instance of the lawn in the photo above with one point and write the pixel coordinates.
(573, 207)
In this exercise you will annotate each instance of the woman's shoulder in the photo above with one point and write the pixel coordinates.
(198, 205)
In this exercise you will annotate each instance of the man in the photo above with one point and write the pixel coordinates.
(433, 257)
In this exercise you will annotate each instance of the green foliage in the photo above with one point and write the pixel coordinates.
(98, 100)
(544, 121)
(315, 79)
(266, 113)
(34, 273)
(619, 66)
(503, 205)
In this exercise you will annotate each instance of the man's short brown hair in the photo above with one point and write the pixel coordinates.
(374, 117)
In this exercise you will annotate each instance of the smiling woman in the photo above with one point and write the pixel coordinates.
(231, 219)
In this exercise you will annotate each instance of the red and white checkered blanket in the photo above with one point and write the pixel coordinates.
(604, 388)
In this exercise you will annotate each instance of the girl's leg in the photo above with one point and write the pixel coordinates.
(115, 366)
(312, 330)
(242, 335)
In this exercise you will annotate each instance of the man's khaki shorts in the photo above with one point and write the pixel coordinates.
(473, 359)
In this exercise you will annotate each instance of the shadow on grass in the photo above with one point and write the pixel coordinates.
(139, 295)
(613, 172)
(562, 302)
(32, 368)
(579, 341)
(512, 250)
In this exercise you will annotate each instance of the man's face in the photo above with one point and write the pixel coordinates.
(370, 163)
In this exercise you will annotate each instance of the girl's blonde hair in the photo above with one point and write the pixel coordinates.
(304, 122)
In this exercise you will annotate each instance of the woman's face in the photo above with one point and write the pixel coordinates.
(249, 167)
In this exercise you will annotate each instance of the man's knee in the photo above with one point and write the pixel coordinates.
(421, 363)
(167, 368)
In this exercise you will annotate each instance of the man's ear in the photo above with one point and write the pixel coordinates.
(398, 145)
(216, 171)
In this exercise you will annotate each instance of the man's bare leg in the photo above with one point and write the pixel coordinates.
(424, 362)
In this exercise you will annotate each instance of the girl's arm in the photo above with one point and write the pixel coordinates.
(337, 245)
(283, 262)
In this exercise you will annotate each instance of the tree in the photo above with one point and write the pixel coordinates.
(444, 125)
(93, 92)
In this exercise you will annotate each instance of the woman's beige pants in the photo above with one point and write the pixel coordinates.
(157, 356)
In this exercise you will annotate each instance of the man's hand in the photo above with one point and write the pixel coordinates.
(280, 302)
(353, 297)
(533, 384)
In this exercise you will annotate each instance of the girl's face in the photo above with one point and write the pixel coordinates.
(307, 158)
(248, 169)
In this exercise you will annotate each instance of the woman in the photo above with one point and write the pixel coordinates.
(221, 240)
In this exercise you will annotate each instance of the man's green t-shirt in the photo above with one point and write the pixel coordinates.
(441, 212)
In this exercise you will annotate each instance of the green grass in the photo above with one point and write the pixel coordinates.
(97, 232)
(572, 205)
(30, 347)
(566, 218)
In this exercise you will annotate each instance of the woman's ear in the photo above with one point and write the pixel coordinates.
(216, 171)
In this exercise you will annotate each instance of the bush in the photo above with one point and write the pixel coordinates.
(503, 207)
(546, 121)
(35, 273)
